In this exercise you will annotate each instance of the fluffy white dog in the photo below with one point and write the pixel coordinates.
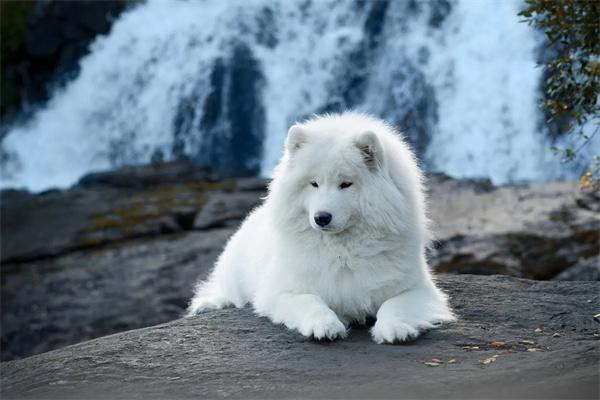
(340, 237)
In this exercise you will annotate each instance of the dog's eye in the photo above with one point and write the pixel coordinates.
(345, 185)
(314, 184)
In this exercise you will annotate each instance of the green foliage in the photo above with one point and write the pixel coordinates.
(14, 20)
(15, 16)
(573, 82)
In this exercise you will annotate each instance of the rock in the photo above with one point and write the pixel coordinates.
(226, 208)
(144, 176)
(54, 302)
(417, 102)
(233, 353)
(586, 270)
(65, 252)
(116, 205)
(83, 263)
(530, 231)
(233, 116)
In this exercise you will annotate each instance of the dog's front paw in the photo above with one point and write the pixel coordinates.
(323, 325)
(392, 330)
(206, 303)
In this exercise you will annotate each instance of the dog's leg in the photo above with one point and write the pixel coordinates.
(207, 297)
(405, 316)
(306, 313)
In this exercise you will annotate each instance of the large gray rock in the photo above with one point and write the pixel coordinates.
(587, 270)
(514, 338)
(82, 295)
(530, 231)
(114, 206)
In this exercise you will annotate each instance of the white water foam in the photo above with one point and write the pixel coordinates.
(121, 107)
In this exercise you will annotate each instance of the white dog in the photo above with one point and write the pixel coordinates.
(340, 237)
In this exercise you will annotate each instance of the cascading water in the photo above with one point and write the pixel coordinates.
(220, 82)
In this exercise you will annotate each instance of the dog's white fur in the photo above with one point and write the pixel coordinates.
(370, 259)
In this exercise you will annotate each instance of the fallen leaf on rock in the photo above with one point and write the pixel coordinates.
(534, 350)
(432, 364)
(452, 361)
(527, 342)
(489, 360)
(556, 334)
(498, 344)
(436, 360)
(538, 330)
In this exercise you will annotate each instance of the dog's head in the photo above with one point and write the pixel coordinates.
(326, 176)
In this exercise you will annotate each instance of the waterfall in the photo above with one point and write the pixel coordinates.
(221, 81)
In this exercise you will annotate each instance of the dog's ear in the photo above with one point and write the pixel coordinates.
(371, 150)
(296, 138)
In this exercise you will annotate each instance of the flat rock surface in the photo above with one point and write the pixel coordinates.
(514, 338)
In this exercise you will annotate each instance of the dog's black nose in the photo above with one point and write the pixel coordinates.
(322, 218)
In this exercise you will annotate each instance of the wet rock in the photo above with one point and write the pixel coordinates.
(375, 22)
(233, 118)
(267, 28)
(411, 104)
(348, 91)
(233, 353)
(144, 176)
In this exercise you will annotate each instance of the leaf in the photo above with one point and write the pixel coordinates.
(535, 350)
(432, 364)
(489, 360)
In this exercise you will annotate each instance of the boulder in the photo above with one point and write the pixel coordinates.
(513, 339)
(54, 302)
(146, 176)
(113, 206)
(586, 270)
(531, 231)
